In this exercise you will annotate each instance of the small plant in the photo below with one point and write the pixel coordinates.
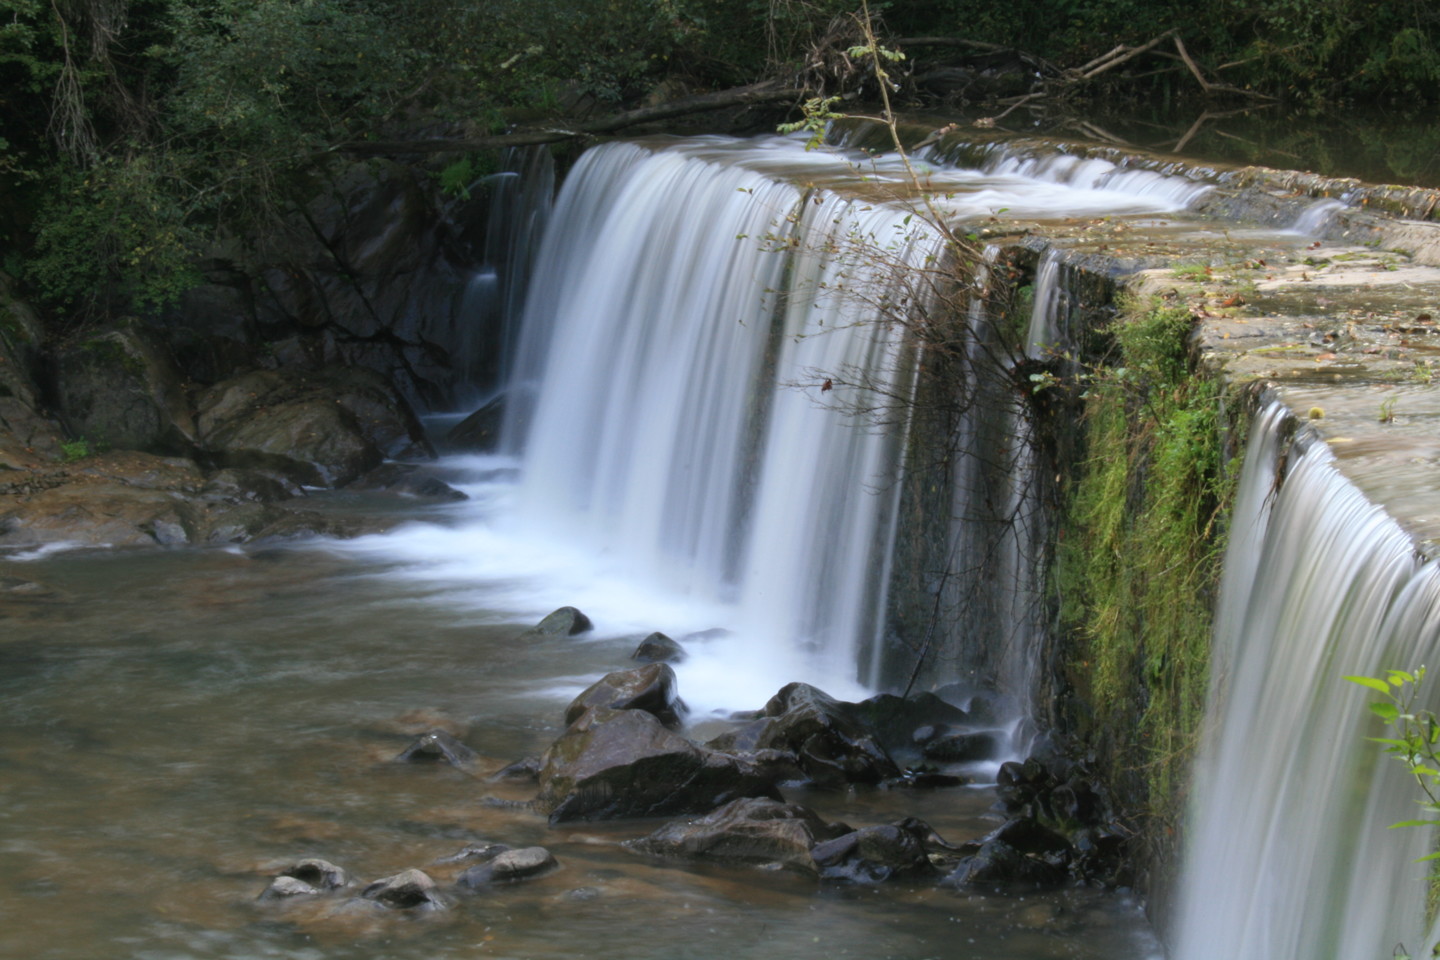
(77, 449)
(1387, 410)
(1193, 271)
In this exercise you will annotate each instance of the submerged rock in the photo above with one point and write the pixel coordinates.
(751, 830)
(876, 854)
(650, 688)
(437, 746)
(963, 747)
(310, 877)
(612, 764)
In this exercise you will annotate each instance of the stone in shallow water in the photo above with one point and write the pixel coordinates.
(407, 890)
(510, 866)
(876, 854)
(658, 648)
(750, 830)
(285, 888)
(437, 746)
(650, 688)
(564, 622)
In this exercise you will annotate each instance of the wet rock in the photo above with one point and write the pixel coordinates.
(482, 852)
(437, 746)
(650, 688)
(583, 894)
(658, 648)
(830, 745)
(962, 747)
(407, 890)
(250, 486)
(875, 854)
(753, 830)
(612, 764)
(526, 768)
(996, 863)
(510, 866)
(564, 622)
(409, 480)
(479, 432)
(285, 888)
(898, 722)
(321, 874)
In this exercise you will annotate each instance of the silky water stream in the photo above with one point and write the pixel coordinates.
(175, 724)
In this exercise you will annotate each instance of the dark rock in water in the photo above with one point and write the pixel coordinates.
(407, 890)
(437, 746)
(318, 873)
(924, 778)
(583, 894)
(876, 854)
(285, 888)
(526, 768)
(963, 747)
(479, 432)
(650, 688)
(121, 388)
(760, 831)
(564, 622)
(658, 648)
(510, 866)
(897, 721)
(407, 479)
(612, 764)
(1028, 836)
(832, 747)
(483, 852)
(997, 863)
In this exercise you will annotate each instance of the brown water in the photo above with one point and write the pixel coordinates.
(175, 724)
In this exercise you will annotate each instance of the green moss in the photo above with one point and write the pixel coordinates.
(1140, 557)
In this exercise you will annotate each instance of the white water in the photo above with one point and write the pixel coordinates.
(1289, 854)
(684, 466)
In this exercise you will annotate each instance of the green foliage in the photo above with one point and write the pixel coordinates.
(1140, 554)
(77, 449)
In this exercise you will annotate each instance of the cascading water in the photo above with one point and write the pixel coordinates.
(1289, 856)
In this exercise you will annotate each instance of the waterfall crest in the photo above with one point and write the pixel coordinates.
(1289, 855)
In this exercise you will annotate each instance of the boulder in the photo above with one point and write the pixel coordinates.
(119, 388)
(564, 622)
(407, 480)
(875, 854)
(612, 764)
(650, 688)
(479, 432)
(250, 486)
(407, 890)
(963, 746)
(286, 888)
(437, 746)
(310, 877)
(898, 722)
(510, 866)
(658, 648)
(526, 768)
(762, 831)
(832, 747)
(321, 428)
(997, 863)
(480, 852)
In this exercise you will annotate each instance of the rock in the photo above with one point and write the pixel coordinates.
(875, 854)
(750, 830)
(483, 852)
(409, 480)
(897, 722)
(526, 768)
(250, 486)
(510, 866)
(999, 864)
(407, 890)
(612, 764)
(831, 746)
(321, 874)
(962, 747)
(437, 746)
(322, 428)
(658, 648)
(650, 688)
(479, 432)
(564, 622)
(120, 388)
(284, 888)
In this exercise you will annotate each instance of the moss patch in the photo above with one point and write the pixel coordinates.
(1139, 561)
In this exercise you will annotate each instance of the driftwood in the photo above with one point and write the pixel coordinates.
(768, 92)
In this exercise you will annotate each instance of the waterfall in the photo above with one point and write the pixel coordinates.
(1289, 853)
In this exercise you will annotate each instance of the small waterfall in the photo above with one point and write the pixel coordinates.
(1315, 219)
(1289, 855)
